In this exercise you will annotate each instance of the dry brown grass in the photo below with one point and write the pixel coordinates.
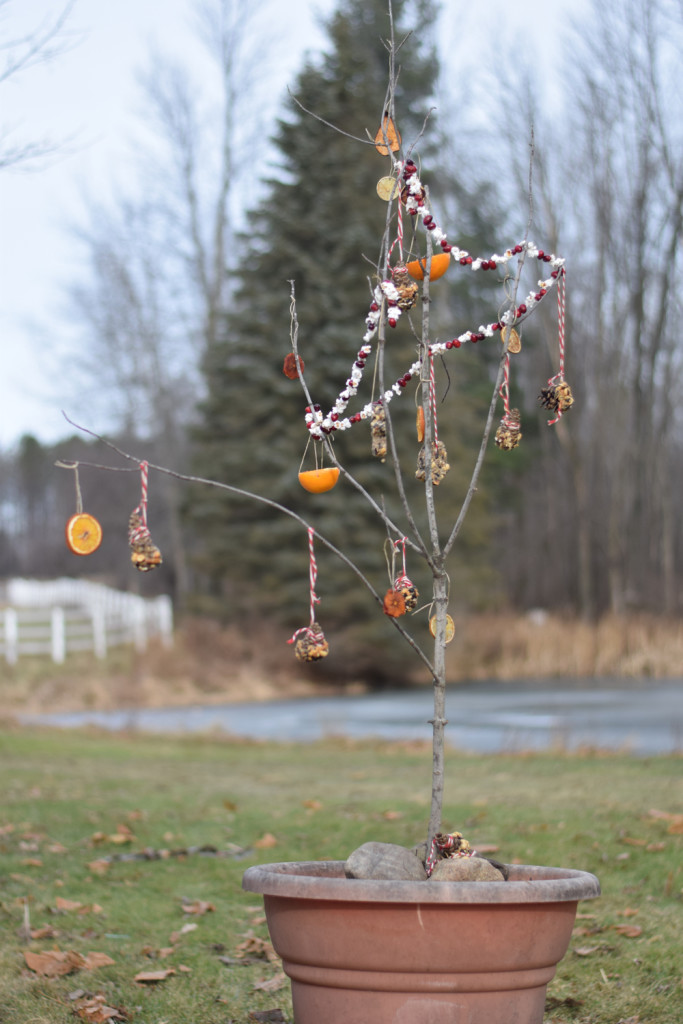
(500, 646)
(210, 664)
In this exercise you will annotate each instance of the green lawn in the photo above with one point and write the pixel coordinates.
(74, 804)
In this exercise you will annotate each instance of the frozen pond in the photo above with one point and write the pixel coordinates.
(641, 717)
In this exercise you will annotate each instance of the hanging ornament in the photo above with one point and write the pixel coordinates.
(320, 479)
(145, 555)
(387, 134)
(439, 456)
(309, 641)
(289, 367)
(317, 481)
(450, 628)
(420, 424)
(311, 644)
(439, 265)
(509, 432)
(557, 396)
(439, 463)
(403, 585)
(511, 340)
(83, 532)
(407, 288)
(378, 431)
(387, 188)
(394, 603)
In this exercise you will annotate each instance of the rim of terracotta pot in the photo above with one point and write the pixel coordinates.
(325, 880)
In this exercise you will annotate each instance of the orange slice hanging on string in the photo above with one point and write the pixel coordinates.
(439, 266)
(387, 133)
(83, 534)
(317, 481)
(450, 628)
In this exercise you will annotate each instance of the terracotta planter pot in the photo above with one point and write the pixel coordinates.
(369, 952)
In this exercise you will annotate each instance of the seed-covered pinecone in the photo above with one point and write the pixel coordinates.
(405, 286)
(509, 433)
(145, 554)
(378, 431)
(557, 397)
(439, 463)
(311, 645)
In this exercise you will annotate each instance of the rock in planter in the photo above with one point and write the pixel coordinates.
(384, 861)
(465, 869)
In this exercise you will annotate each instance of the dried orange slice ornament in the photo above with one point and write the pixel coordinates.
(83, 534)
(450, 627)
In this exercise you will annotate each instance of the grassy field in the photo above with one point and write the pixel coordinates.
(75, 806)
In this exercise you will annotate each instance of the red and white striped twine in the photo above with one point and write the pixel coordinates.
(505, 387)
(142, 532)
(312, 576)
(561, 317)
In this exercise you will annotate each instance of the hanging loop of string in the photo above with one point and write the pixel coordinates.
(561, 306)
(399, 217)
(505, 388)
(312, 577)
(79, 496)
(403, 580)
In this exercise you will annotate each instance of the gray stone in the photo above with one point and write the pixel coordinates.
(384, 861)
(465, 869)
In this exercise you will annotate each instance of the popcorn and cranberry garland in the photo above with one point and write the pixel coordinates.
(390, 298)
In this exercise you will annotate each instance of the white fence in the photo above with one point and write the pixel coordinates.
(56, 617)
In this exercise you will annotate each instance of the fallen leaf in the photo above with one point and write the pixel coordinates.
(273, 984)
(676, 827)
(99, 867)
(655, 847)
(32, 862)
(53, 963)
(90, 908)
(56, 848)
(67, 905)
(266, 841)
(622, 856)
(392, 815)
(230, 805)
(152, 977)
(586, 950)
(255, 946)
(633, 842)
(28, 847)
(630, 931)
(46, 932)
(95, 1008)
(627, 912)
(312, 805)
(5, 830)
(197, 907)
(136, 815)
(184, 969)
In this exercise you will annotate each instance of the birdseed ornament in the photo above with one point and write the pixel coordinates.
(403, 585)
(309, 641)
(447, 846)
(405, 286)
(557, 395)
(509, 433)
(145, 555)
(378, 431)
(83, 532)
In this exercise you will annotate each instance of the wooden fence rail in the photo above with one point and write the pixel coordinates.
(57, 617)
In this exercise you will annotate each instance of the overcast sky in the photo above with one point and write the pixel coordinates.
(89, 97)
